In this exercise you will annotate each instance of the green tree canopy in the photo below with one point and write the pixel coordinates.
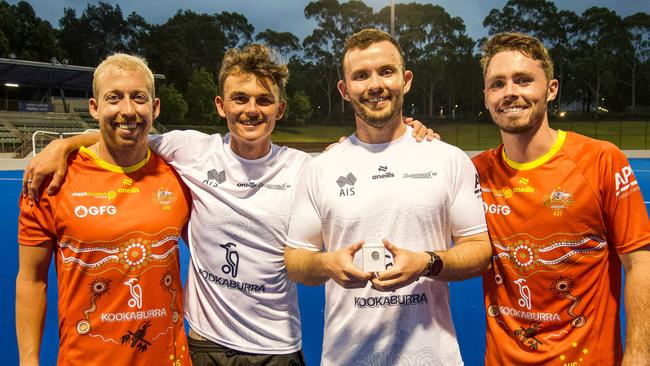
(25, 35)
(173, 106)
(200, 94)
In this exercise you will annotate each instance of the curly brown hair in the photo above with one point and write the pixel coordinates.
(529, 46)
(255, 59)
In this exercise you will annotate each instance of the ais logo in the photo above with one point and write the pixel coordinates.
(83, 211)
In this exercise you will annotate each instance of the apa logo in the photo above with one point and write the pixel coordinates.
(623, 181)
(83, 211)
(477, 184)
(496, 209)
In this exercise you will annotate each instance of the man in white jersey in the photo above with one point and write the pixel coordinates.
(368, 189)
(239, 304)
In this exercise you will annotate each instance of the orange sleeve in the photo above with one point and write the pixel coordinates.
(625, 216)
(35, 222)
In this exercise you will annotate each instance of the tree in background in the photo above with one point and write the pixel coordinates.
(200, 94)
(541, 19)
(285, 43)
(600, 59)
(601, 34)
(27, 36)
(335, 21)
(435, 46)
(100, 31)
(299, 109)
(173, 106)
(636, 53)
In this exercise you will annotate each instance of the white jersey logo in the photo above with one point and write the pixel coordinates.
(136, 293)
(524, 291)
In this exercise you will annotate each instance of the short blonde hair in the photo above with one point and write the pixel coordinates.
(124, 62)
(529, 46)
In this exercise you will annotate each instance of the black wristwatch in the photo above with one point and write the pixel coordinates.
(435, 265)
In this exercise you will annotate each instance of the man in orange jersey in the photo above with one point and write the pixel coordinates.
(563, 211)
(119, 289)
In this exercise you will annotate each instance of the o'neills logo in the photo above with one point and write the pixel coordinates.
(526, 189)
(129, 316)
(386, 301)
(383, 176)
(229, 283)
(527, 315)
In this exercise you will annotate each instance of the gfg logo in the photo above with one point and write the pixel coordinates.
(496, 209)
(83, 211)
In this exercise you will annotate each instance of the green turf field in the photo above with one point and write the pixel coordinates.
(627, 135)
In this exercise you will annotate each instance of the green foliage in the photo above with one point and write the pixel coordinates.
(173, 106)
(99, 32)
(299, 109)
(200, 94)
(283, 42)
(600, 58)
(26, 35)
(189, 41)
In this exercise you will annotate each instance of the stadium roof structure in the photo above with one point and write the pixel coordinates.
(48, 74)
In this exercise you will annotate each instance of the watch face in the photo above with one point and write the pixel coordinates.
(436, 265)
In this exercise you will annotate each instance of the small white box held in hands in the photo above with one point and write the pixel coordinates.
(374, 257)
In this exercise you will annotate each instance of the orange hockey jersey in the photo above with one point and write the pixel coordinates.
(557, 226)
(115, 233)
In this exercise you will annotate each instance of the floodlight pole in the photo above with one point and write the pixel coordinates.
(392, 17)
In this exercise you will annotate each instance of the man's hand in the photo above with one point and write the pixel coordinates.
(420, 131)
(341, 269)
(50, 162)
(408, 267)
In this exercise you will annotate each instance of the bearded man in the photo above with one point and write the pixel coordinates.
(370, 189)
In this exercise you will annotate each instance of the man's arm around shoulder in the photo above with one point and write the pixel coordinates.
(31, 299)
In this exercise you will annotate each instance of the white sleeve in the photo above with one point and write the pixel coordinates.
(168, 144)
(179, 148)
(466, 211)
(304, 227)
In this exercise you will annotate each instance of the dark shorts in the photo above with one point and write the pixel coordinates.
(208, 353)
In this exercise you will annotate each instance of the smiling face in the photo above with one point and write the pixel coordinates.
(517, 92)
(375, 84)
(125, 109)
(250, 106)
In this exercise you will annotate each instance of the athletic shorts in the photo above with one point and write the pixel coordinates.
(207, 353)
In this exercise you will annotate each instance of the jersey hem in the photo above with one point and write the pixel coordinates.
(260, 351)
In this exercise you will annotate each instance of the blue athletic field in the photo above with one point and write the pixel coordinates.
(466, 297)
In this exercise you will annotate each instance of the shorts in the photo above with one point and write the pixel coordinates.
(207, 353)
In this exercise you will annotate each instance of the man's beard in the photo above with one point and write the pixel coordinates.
(533, 122)
(379, 119)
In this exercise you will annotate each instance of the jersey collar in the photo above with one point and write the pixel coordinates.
(561, 136)
(115, 168)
